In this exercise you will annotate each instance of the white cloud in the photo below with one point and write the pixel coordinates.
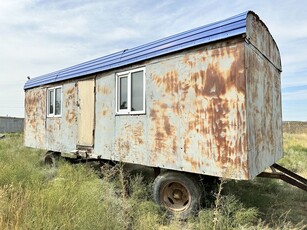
(38, 36)
(299, 95)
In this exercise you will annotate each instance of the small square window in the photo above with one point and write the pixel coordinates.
(130, 95)
(54, 101)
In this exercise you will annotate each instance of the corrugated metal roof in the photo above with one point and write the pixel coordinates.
(229, 27)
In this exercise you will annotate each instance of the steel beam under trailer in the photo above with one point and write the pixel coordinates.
(285, 175)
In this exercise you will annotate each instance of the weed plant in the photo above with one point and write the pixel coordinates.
(77, 196)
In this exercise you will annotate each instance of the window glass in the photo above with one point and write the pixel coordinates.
(130, 95)
(51, 103)
(54, 101)
(58, 101)
(123, 101)
(137, 91)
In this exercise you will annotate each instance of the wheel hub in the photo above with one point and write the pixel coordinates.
(177, 194)
(176, 197)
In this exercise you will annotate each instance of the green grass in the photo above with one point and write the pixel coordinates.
(295, 148)
(77, 196)
(278, 203)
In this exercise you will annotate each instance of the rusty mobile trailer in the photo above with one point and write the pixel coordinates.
(203, 102)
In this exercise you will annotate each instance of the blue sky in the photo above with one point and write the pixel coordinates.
(40, 36)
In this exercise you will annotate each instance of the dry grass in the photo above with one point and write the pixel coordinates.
(33, 196)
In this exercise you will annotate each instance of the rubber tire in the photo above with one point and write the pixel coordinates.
(190, 182)
(50, 158)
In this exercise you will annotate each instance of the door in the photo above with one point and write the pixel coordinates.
(86, 112)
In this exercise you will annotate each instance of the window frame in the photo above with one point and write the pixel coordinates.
(54, 101)
(128, 74)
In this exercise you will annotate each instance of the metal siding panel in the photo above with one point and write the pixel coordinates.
(105, 116)
(233, 26)
(277, 117)
(263, 112)
(61, 131)
(215, 129)
(164, 113)
(35, 116)
(69, 117)
(197, 112)
(258, 34)
(53, 133)
(86, 108)
(130, 139)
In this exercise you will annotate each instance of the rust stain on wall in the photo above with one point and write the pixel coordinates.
(105, 110)
(169, 82)
(131, 140)
(123, 147)
(35, 114)
(137, 134)
(209, 98)
(189, 60)
(70, 105)
(165, 138)
(34, 106)
(104, 90)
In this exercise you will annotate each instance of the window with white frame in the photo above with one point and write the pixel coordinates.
(130, 92)
(54, 101)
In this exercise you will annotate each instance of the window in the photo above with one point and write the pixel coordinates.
(130, 95)
(54, 101)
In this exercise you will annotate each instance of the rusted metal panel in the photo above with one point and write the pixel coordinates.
(195, 117)
(118, 137)
(54, 139)
(52, 133)
(35, 118)
(86, 108)
(105, 115)
(197, 111)
(263, 93)
(258, 34)
(163, 113)
(131, 139)
(61, 131)
(196, 114)
(217, 114)
(263, 111)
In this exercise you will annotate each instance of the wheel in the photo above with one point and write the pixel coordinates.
(50, 158)
(178, 193)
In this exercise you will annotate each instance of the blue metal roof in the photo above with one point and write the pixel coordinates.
(229, 27)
